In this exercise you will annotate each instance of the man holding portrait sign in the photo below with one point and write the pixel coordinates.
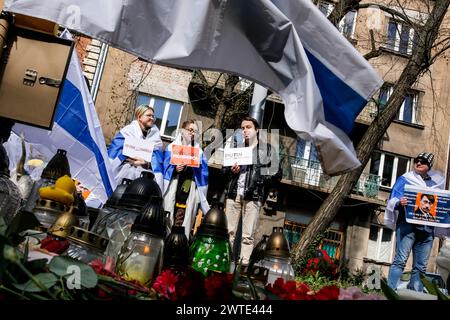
(416, 205)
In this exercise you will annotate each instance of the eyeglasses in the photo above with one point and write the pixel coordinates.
(151, 116)
(191, 130)
(421, 161)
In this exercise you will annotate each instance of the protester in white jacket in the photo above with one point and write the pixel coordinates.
(142, 128)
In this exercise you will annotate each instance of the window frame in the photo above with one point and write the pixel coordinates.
(165, 116)
(401, 113)
(394, 167)
(329, 7)
(341, 25)
(395, 46)
(378, 243)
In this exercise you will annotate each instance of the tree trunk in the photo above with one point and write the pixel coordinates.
(341, 9)
(419, 62)
(230, 83)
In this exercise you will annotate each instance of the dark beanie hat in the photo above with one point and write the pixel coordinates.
(428, 156)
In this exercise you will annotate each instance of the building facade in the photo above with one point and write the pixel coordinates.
(357, 236)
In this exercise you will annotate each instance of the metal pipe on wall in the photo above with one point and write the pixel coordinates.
(258, 103)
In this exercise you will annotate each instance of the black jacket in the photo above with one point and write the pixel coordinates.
(260, 176)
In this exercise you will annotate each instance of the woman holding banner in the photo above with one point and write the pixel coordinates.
(185, 177)
(144, 130)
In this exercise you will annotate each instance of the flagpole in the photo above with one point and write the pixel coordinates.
(256, 109)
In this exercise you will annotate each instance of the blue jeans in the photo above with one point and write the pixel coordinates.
(408, 238)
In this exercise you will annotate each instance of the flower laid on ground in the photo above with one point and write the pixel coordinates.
(323, 264)
(165, 285)
(54, 245)
(114, 286)
(219, 286)
(355, 293)
(189, 284)
(293, 290)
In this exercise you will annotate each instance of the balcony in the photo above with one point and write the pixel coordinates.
(368, 114)
(309, 174)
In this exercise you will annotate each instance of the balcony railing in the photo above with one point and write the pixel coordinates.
(368, 114)
(332, 241)
(309, 174)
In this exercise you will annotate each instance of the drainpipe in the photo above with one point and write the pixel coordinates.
(256, 110)
(99, 70)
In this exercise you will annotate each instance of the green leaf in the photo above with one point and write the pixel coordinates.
(389, 293)
(48, 280)
(431, 287)
(253, 291)
(24, 220)
(68, 267)
(36, 266)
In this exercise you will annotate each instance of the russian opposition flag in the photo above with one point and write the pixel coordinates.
(77, 130)
(288, 46)
(342, 82)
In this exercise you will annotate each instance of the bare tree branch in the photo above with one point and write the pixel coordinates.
(418, 63)
(394, 13)
(439, 53)
(374, 52)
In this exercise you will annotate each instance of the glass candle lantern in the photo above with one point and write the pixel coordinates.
(277, 257)
(278, 268)
(211, 254)
(48, 211)
(140, 258)
(86, 246)
(211, 247)
(115, 220)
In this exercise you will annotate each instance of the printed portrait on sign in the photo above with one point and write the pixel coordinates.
(425, 207)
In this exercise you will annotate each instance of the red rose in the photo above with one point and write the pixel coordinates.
(165, 284)
(327, 293)
(219, 286)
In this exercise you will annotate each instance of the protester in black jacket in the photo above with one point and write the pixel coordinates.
(248, 187)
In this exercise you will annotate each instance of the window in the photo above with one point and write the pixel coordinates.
(167, 113)
(346, 25)
(332, 242)
(306, 150)
(306, 168)
(381, 244)
(409, 108)
(400, 37)
(388, 167)
(325, 7)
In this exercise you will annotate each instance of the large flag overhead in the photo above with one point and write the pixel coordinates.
(77, 130)
(285, 45)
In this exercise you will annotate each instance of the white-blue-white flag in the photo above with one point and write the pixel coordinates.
(77, 130)
(285, 45)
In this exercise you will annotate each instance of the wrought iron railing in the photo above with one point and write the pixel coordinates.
(332, 241)
(309, 173)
